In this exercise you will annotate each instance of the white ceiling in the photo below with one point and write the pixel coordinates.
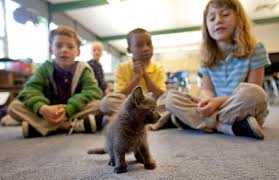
(156, 15)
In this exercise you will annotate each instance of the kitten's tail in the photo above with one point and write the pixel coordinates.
(96, 151)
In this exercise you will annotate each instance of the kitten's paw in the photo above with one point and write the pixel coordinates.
(120, 169)
(111, 163)
(151, 165)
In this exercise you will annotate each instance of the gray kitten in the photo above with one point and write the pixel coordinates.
(127, 132)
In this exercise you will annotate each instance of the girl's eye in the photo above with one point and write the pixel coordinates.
(139, 45)
(58, 45)
(226, 14)
(211, 18)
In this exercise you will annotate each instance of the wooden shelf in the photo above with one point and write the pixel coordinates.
(12, 82)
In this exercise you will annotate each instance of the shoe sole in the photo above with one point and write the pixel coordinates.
(257, 130)
(9, 121)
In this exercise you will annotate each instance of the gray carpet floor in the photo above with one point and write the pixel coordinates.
(180, 154)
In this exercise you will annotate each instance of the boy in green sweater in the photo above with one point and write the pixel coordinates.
(63, 93)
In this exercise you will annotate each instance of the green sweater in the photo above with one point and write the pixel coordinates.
(41, 89)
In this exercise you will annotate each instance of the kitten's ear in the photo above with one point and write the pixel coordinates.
(137, 95)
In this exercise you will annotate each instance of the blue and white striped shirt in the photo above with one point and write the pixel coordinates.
(226, 75)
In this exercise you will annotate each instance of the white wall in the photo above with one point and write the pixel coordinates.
(269, 35)
(40, 8)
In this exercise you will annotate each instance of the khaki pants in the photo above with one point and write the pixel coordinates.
(247, 100)
(112, 103)
(18, 111)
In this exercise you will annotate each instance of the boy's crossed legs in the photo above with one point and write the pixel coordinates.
(83, 121)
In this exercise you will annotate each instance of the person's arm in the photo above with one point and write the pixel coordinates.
(124, 85)
(208, 87)
(32, 95)
(89, 92)
(54, 114)
(210, 104)
(152, 86)
(99, 75)
(259, 60)
(256, 76)
(131, 85)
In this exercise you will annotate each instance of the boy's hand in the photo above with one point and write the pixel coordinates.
(138, 67)
(54, 114)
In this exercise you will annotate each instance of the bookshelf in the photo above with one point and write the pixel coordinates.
(12, 82)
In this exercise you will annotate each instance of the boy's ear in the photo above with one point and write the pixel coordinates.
(78, 52)
(137, 95)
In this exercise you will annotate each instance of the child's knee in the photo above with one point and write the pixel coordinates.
(110, 103)
(170, 100)
(14, 105)
(105, 105)
(251, 93)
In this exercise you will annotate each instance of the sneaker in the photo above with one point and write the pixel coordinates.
(28, 131)
(9, 121)
(90, 125)
(87, 125)
(178, 123)
(248, 127)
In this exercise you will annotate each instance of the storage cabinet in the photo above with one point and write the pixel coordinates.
(12, 82)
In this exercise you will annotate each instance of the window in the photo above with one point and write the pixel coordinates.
(52, 26)
(106, 62)
(85, 55)
(2, 30)
(2, 54)
(85, 51)
(31, 42)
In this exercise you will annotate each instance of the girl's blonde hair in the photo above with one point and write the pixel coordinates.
(244, 41)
